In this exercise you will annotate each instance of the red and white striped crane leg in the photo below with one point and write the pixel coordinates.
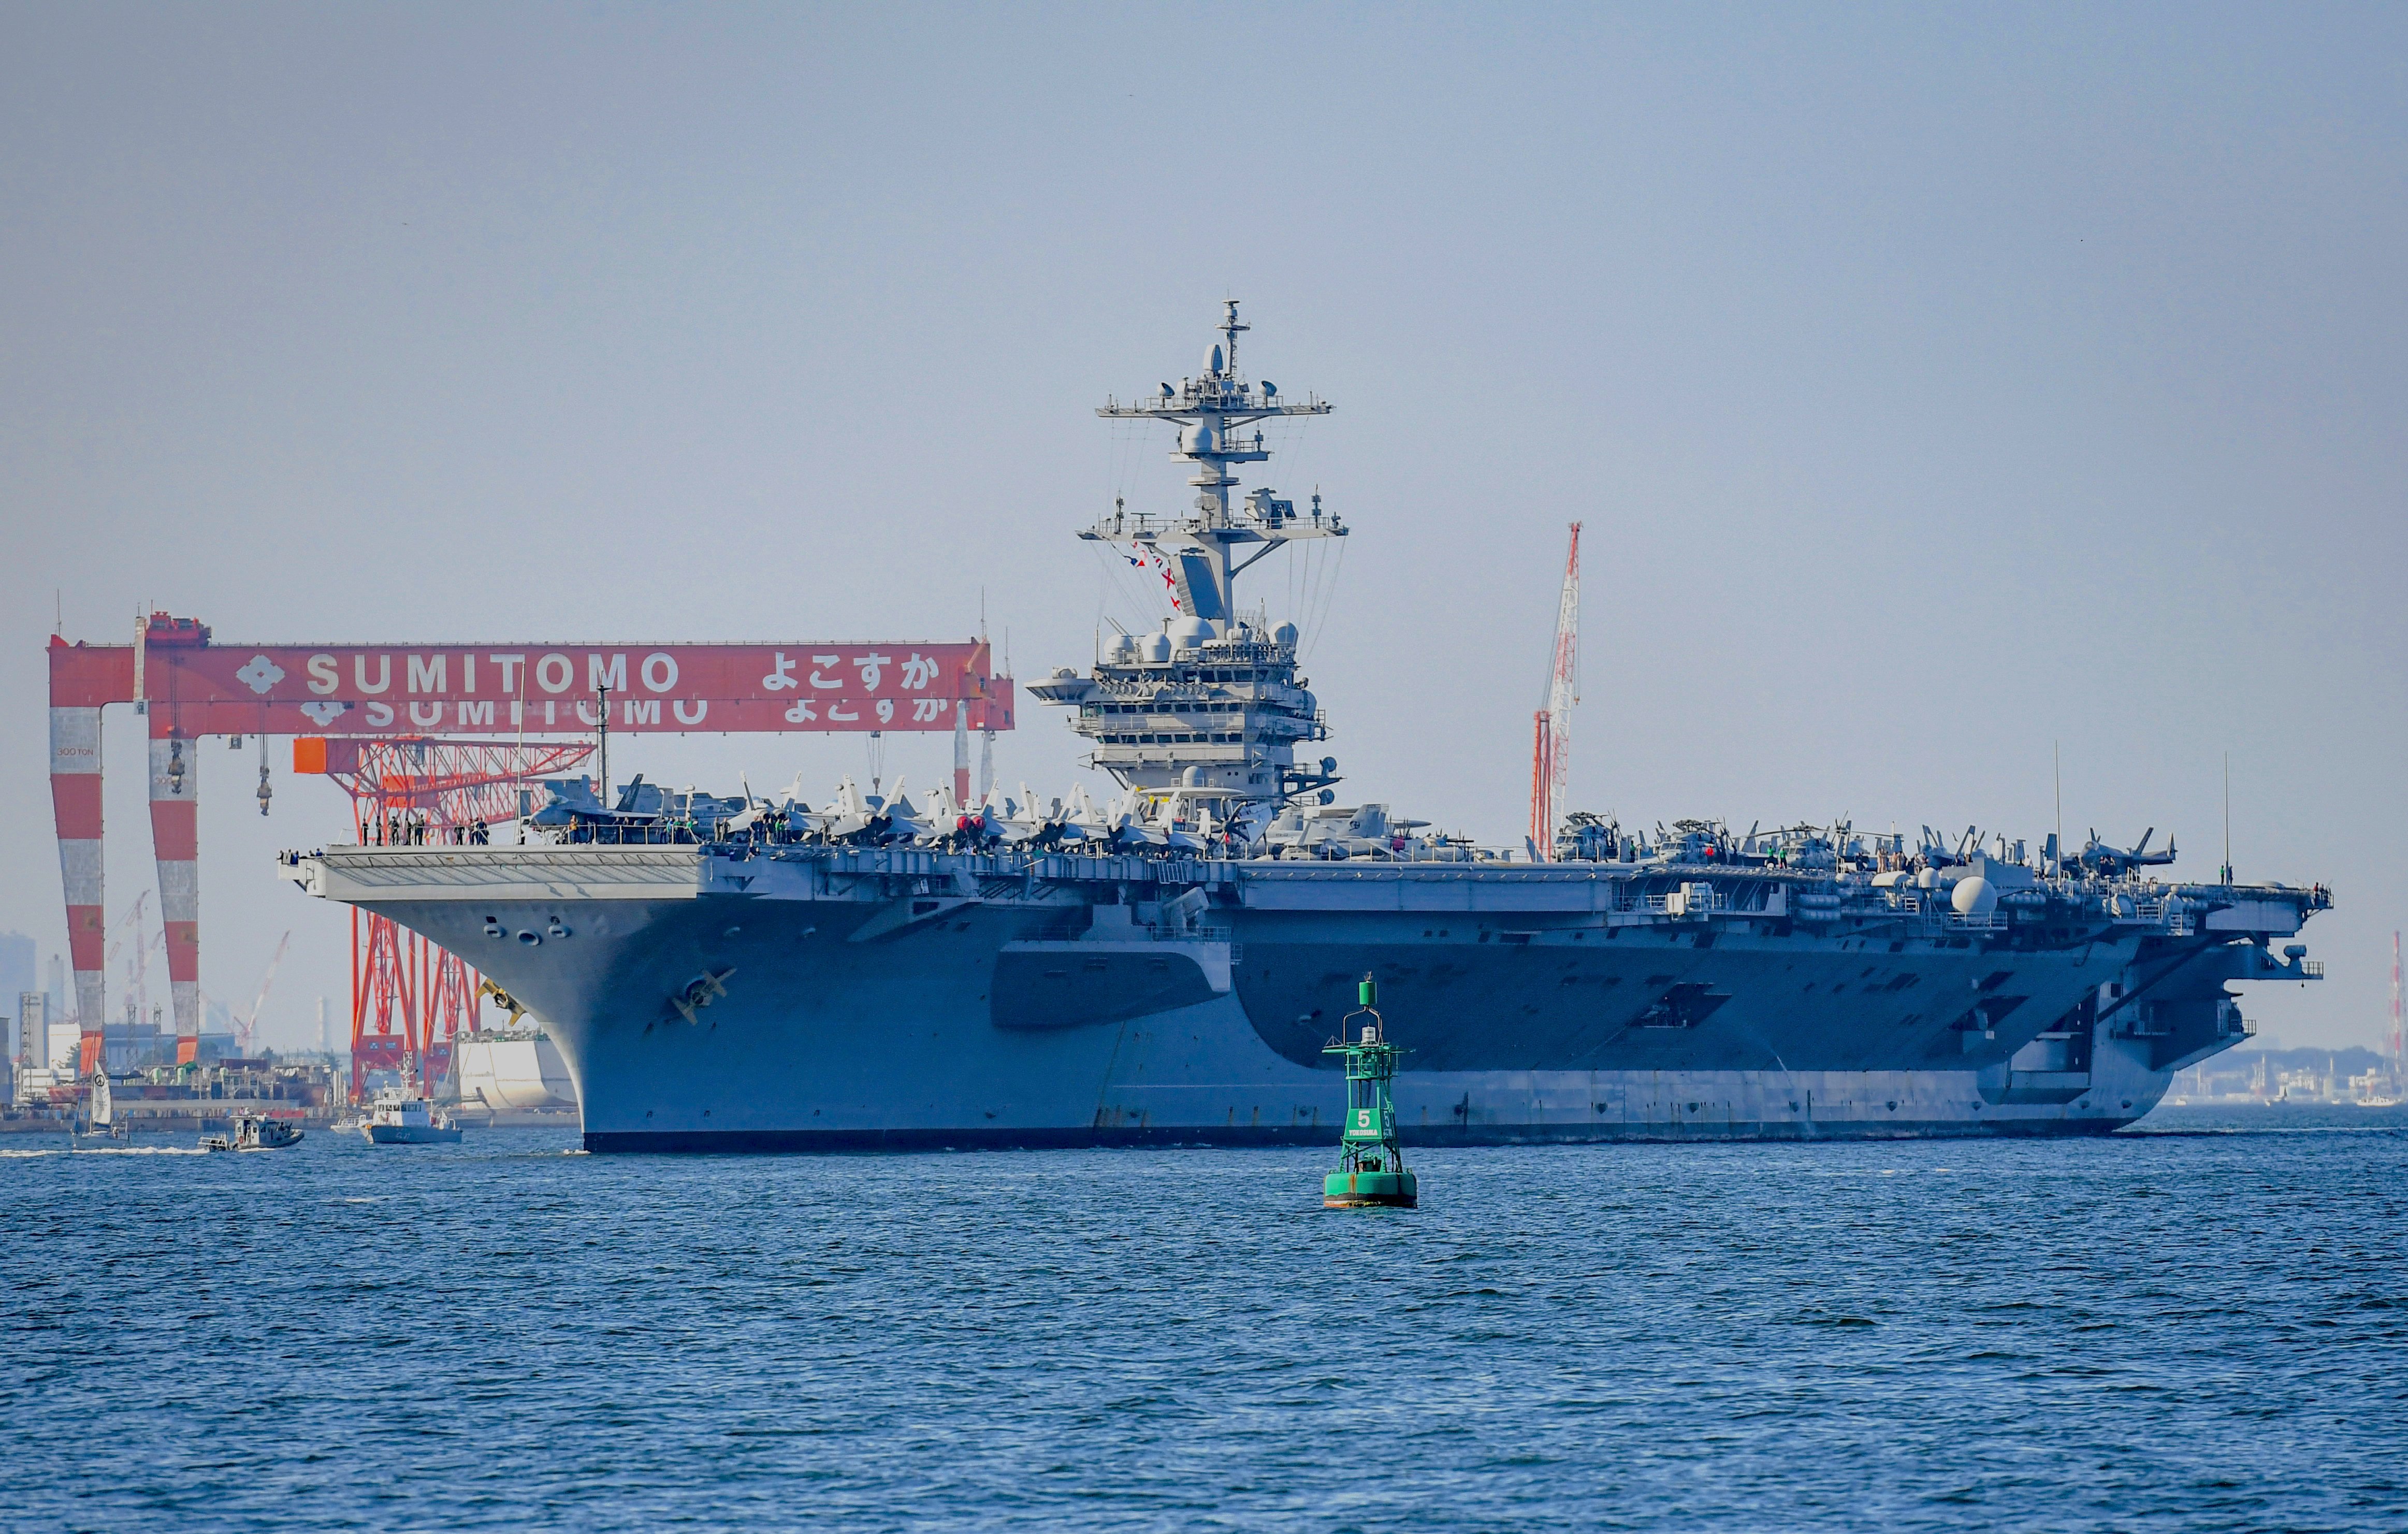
(175, 841)
(75, 799)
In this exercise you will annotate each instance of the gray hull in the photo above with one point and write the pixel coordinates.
(846, 1000)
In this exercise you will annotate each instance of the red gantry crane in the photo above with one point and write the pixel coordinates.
(1551, 756)
(384, 697)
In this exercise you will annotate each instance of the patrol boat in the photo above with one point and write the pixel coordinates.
(254, 1132)
(726, 973)
(399, 1117)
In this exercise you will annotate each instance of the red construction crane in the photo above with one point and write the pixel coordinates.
(1551, 754)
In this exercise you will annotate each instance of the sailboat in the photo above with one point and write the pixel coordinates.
(97, 1118)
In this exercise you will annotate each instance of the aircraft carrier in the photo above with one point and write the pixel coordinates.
(1166, 967)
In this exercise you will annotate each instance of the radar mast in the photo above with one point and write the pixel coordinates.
(1213, 413)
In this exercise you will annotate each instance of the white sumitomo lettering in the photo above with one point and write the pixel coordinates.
(701, 707)
(323, 677)
(379, 714)
(360, 673)
(509, 664)
(430, 674)
(613, 676)
(553, 673)
(476, 713)
(644, 712)
(468, 673)
(666, 667)
(425, 715)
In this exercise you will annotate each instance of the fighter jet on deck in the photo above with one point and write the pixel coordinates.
(2115, 862)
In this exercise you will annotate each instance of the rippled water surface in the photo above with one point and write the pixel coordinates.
(2201, 1327)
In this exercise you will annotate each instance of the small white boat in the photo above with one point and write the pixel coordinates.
(96, 1119)
(253, 1133)
(396, 1118)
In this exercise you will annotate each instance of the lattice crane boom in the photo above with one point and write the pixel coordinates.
(245, 1028)
(1550, 749)
(2398, 1036)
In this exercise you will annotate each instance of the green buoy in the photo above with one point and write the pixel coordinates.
(1371, 1173)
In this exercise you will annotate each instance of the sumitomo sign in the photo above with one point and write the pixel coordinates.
(193, 687)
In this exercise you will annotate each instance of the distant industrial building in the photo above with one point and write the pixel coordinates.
(42, 1045)
(2352, 1075)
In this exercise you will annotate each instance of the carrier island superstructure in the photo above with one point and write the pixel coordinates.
(1168, 968)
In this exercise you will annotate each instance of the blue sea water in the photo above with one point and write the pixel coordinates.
(2200, 1327)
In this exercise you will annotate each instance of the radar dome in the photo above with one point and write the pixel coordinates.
(1926, 879)
(1974, 896)
(1212, 359)
(1122, 650)
(1156, 646)
(1189, 633)
(1284, 634)
(1201, 438)
(1195, 777)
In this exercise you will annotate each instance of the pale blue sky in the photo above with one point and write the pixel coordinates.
(1934, 383)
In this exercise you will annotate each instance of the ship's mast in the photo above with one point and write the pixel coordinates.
(1215, 413)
